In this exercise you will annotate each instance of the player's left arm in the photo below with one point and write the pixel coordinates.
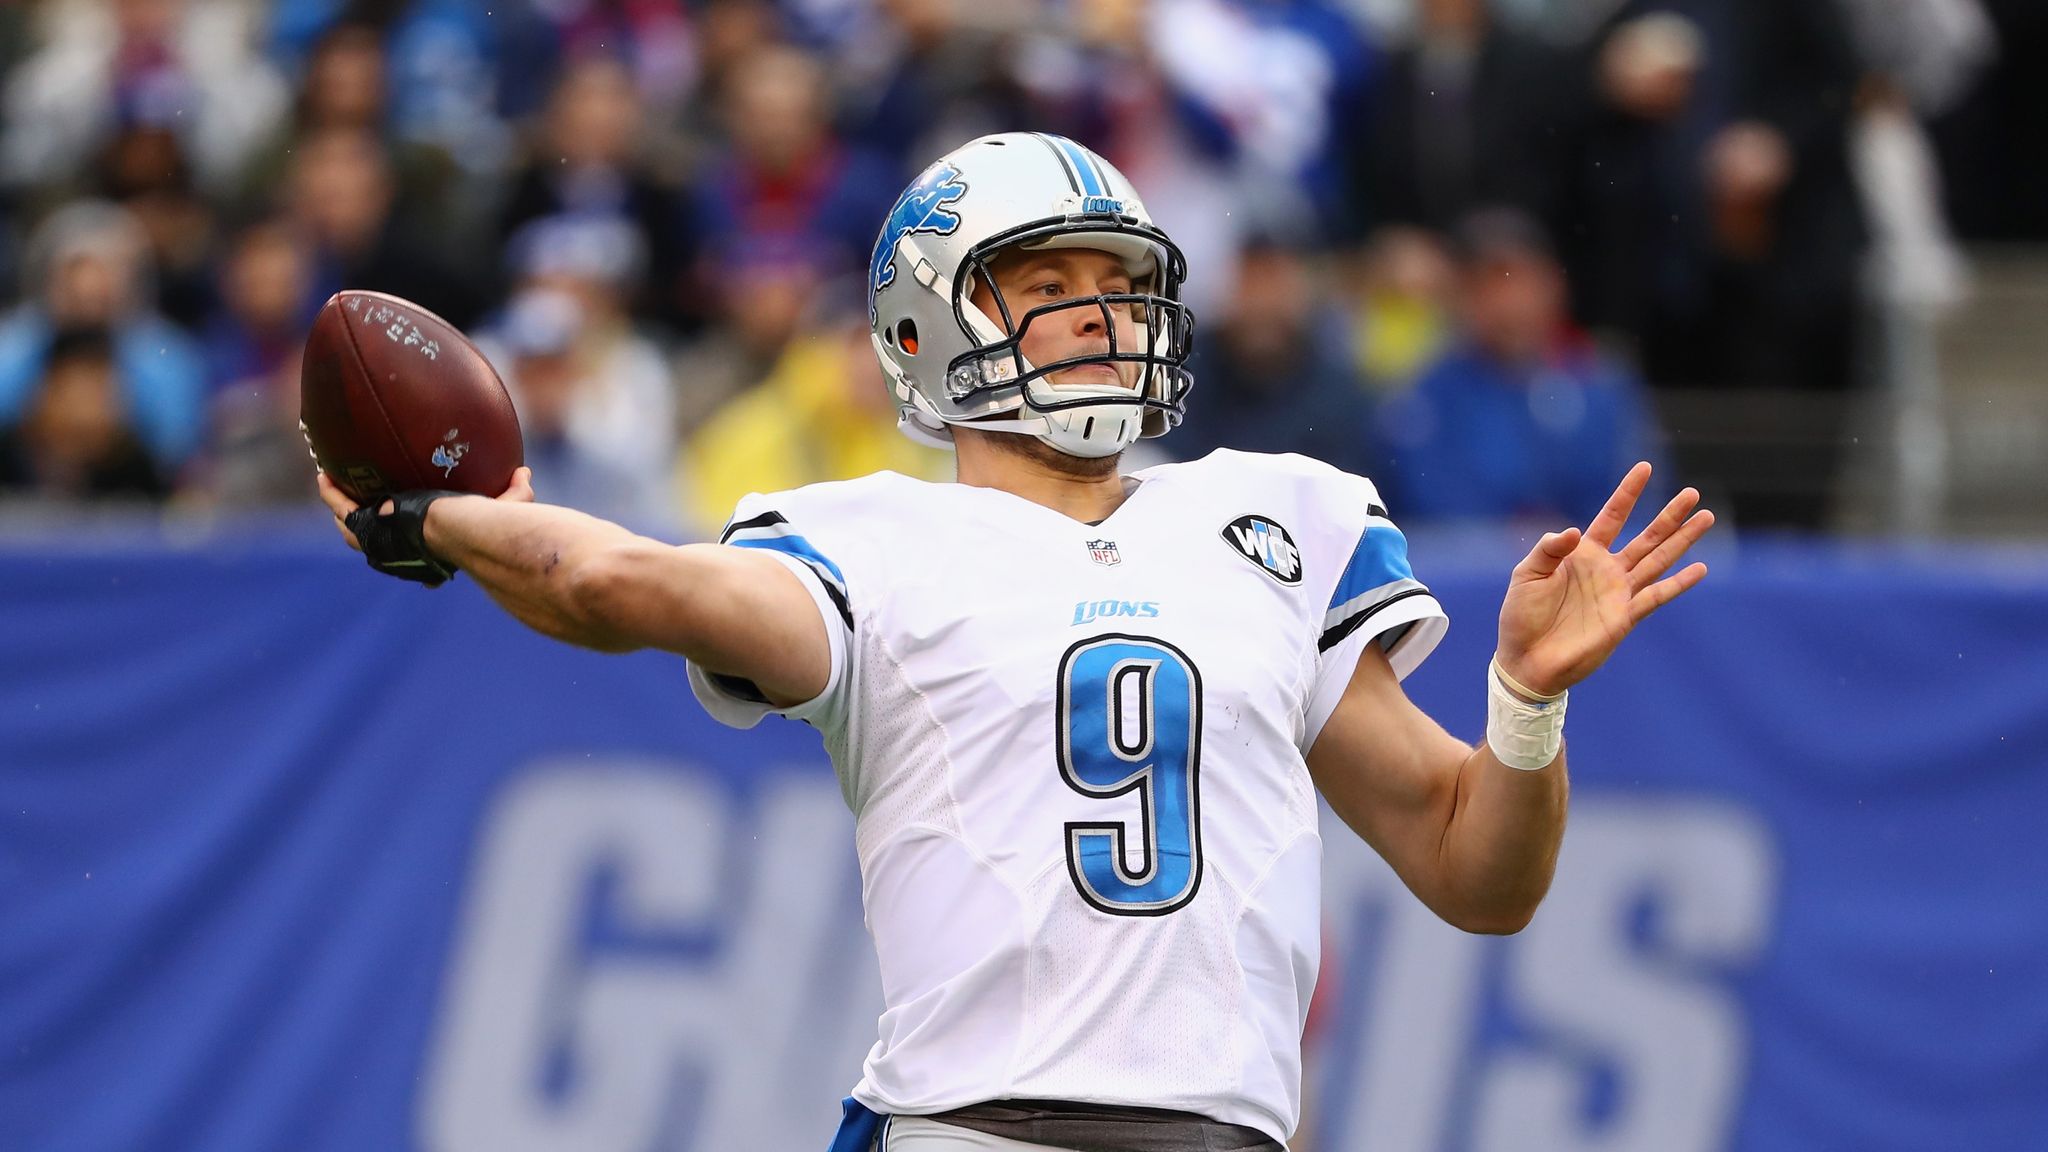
(1475, 839)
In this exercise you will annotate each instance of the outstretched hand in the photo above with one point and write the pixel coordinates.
(1571, 600)
(337, 501)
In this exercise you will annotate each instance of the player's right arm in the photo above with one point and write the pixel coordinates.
(734, 612)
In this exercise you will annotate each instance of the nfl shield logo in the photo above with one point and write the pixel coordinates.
(1104, 552)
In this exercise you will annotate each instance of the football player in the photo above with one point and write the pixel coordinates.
(1082, 717)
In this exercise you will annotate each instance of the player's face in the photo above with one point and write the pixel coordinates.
(1035, 279)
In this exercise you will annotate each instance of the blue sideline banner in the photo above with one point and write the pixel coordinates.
(293, 857)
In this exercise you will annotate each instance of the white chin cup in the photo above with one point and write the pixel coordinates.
(1091, 431)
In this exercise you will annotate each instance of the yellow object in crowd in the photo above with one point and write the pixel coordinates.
(822, 414)
(1396, 337)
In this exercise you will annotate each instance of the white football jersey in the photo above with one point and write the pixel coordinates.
(1075, 757)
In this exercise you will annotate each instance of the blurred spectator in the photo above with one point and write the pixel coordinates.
(652, 39)
(1725, 230)
(1764, 289)
(345, 87)
(442, 57)
(730, 35)
(255, 453)
(926, 75)
(1472, 112)
(88, 267)
(1279, 85)
(592, 158)
(571, 414)
(73, 439)
(268, 303)
(824, 413)
(345, 82)
(1277, 375)
(785, 190)
(767, 301)
(1402, 292)
(1933, 51)
(604, 386)
(188, 63)
(1634, 238)
(343, 195)
(1994, 142)
(1523, 417)
(143, 169)
(1920, 59)
(784, 208)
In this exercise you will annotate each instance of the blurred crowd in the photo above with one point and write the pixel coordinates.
(1466, 248)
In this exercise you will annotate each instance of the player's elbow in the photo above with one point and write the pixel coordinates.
(1492, 922)
(1497, 913)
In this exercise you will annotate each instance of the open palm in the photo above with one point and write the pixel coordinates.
(1571, 600)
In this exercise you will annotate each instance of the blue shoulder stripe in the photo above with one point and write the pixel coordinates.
(1381, 558)
(795, 546)
(772, 534)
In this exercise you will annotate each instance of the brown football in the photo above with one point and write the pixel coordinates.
(393, 398)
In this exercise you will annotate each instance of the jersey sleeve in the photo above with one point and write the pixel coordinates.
(760, 522)
(1374, 599)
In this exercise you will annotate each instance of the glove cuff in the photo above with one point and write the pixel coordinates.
(395, 542)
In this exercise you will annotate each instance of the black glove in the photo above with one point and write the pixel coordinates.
(395, 542)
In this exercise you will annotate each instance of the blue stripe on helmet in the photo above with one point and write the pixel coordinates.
(1092, 183)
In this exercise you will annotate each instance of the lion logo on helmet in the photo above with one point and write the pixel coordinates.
(921, 208)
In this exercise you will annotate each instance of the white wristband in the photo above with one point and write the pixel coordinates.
(1522, 734)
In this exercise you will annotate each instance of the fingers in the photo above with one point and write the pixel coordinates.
(1607, 525)
(521, 488)
(1548, 553)
(1661, 528)
(347, 536)
(1662, 557)
(336, 500)
(1664, 592)
(338, 503)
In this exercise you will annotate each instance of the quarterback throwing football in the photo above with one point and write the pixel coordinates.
(1082, 717)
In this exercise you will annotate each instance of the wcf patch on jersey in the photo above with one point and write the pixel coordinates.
(1267, 545)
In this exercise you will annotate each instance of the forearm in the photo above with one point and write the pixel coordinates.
(529, 558)
(1473, 838)
(730, 610)
(1500, 842)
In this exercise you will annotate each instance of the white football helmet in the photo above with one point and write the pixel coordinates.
(949, 363)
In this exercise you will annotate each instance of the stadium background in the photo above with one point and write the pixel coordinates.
(291, 857)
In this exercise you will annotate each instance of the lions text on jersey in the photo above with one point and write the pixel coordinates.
(1075, 756)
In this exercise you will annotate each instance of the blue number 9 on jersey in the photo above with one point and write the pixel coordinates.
(1130, 717)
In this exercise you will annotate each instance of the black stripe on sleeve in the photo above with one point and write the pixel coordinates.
(764, 520)
(839, 602)
(1336, 635)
